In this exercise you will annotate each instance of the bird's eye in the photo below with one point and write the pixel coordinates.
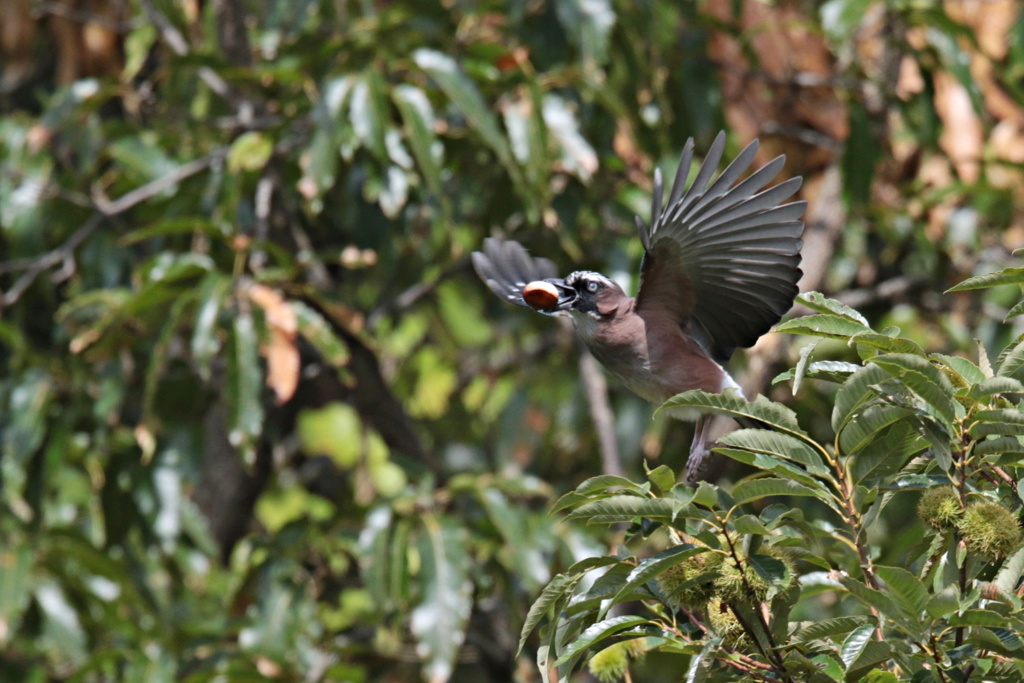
(592, 286)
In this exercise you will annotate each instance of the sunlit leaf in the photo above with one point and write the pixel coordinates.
(439, 621)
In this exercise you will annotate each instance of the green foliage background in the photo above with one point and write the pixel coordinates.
(277, 190)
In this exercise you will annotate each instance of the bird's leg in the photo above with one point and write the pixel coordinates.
(699, 448)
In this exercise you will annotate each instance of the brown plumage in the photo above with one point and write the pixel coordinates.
(720, 268)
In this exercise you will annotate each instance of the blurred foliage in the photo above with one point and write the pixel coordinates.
(257, 417)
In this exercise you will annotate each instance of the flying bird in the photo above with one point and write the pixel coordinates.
(720, 268)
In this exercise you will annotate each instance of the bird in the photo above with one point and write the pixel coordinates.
(720, 268)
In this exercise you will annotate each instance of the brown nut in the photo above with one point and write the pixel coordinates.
(540, 295)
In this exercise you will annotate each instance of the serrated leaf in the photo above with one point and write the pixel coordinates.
(777, 444)
(559, 587)
(596, 633)
(924, 379)
(823, 325)
(888, 344)
(1003, 448)
(836, 626)
(732, 404)
(700, 665)
(996, 385)
(822, 304)
(908, 590)
(860, 432)
(971, 373)
(854, 393)
(854, 644)
(623, 508)
(1007, 276)
(604, 483)
(650, 568)
(990, 422)
(756, 489)
(1010, 573)
(827, 370)
(1011, 362)
(883, 603)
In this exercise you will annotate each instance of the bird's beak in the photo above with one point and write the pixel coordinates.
(566, 296)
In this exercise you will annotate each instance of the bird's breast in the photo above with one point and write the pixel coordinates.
(654, 361)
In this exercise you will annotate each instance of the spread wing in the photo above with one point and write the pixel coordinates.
(506, 268)
(722, 257)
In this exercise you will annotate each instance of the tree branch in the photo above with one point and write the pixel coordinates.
(64, 254)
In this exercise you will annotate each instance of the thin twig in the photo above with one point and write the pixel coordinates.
(63, 255)
(595, 388)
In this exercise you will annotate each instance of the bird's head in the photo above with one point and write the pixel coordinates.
(588, 293)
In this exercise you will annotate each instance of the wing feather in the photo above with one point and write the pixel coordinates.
(722, 256)
(506, 267)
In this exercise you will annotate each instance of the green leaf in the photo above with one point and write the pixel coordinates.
(971, 373)
(525, 557)
(418, 116)
(906, 588)
(855, 643)
(823, 325)
(800, 371)
(318, 332)
(861, 432)
(250, 152)
(1007, 447)
(1003, 422)
(924, 379)
(598, 632)
(732, 404)
(439, 621)
(996, 385)
(16, 580)
(1011, 361)
(212, 295)
(1017, 310)
(768, 463)
(368, 113)
(882, 602)
(700, 665)
(650, 568)
(756, 489)
(882, 342)
(835, 626)
(943, 603)
(623, 508)
(978, 617)
(1010, 573)
(857, 391)
(827, 370)
(822, 304)
(663, 477)
(610, 483)
(1007, 276)
(463, 93)
(770, 569)
(560, 587)
(245, 387)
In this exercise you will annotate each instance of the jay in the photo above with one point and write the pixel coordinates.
(720, 268)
